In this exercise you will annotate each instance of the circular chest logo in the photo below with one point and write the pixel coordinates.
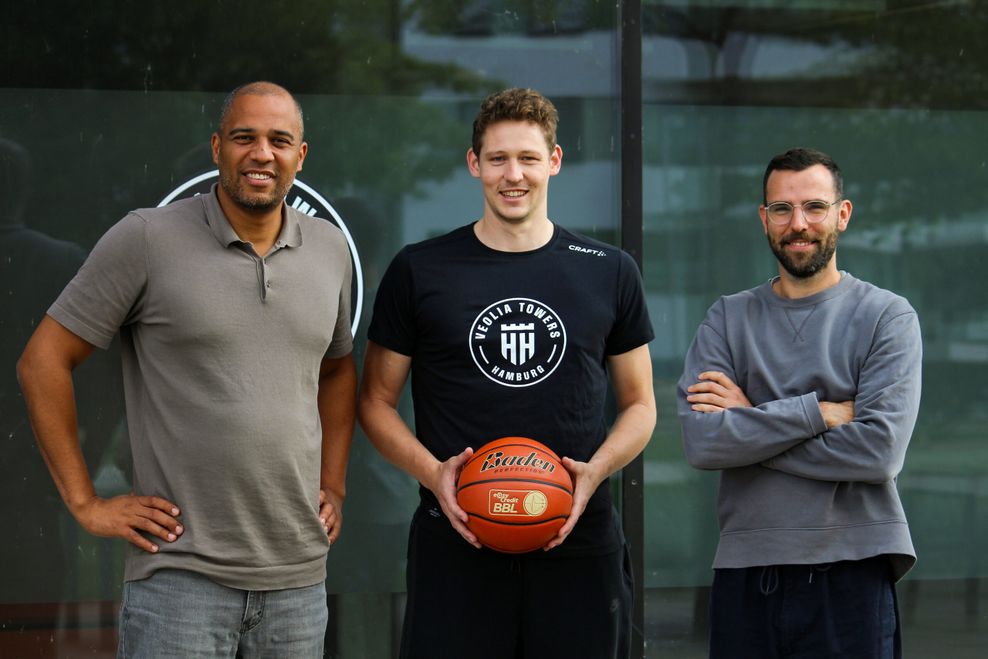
(517, 342)
(304, 199)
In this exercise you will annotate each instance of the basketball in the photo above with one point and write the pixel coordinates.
(517, 494)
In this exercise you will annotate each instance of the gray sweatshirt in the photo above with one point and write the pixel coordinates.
(792, 491)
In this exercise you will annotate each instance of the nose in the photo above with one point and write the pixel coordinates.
(261, 151)
(513, 170)
(798, 221)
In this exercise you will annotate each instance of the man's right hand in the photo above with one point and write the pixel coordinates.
(125, 515)
(444, 487)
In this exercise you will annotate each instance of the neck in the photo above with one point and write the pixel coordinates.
(259, 228)
(508, 237)
(794, 288)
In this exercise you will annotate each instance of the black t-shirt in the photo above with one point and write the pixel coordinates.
(514, 343)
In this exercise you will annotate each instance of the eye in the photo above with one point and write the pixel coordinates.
(816, 207)
(780, 209)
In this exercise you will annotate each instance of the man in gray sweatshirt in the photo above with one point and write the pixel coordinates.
(803, 392)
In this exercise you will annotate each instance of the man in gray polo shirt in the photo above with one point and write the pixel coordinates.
(234, 315)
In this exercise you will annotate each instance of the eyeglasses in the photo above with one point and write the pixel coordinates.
(814, 211)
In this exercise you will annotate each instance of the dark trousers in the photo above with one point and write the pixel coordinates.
(467, 603)
(845, 610)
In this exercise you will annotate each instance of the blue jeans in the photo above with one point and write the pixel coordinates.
(843, 610)
(175, 613)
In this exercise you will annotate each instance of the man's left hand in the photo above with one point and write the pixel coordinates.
(586, 480)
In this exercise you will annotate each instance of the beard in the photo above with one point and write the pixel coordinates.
(234, 187)
(806, 267)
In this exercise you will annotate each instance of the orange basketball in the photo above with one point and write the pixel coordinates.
(517, 494)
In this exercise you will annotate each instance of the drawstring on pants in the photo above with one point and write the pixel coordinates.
(819, 568)
(770, 580)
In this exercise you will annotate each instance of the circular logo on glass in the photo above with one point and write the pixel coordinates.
(517, 342)
(306, 200)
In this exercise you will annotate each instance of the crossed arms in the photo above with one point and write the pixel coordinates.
(862, 439)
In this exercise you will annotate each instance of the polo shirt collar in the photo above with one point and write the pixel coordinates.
(290, 236)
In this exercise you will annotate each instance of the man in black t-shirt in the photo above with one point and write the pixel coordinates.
(443, 313)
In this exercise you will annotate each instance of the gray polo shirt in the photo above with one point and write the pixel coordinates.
(221, 355)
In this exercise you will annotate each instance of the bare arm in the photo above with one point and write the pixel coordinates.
(337, 400)
(385, 372)
(631, 377)
(45, 374)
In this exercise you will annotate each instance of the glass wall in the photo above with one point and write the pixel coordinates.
(108, 106)
(895, 92)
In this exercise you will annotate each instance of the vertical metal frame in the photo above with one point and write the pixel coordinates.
(632, 482)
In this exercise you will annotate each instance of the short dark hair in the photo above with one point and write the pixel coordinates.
(259, 88)
(796, 160)
(516, 104)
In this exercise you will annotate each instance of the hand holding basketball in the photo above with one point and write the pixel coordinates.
(444, 487)
(587, 478)
(516, 493)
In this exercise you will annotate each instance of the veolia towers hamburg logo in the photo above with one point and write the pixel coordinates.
(517, 342)
(306, 200)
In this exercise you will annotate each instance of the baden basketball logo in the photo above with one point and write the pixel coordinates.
(517, 342)
(304, 199)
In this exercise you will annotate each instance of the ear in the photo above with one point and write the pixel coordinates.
(473, 163)
(214, 142)
(844, 214)
(762, 213)
(302, 150)
(555, 160)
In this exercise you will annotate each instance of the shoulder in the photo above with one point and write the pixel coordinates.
(733, 310)
(325, 232)
(575, 242)
(452, 241)
(592, 253)
(740, 302)
(867, 298)
(190, 208)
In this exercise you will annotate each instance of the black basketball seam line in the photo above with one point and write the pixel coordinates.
(460, 488)
(481, 451)
(535, 523)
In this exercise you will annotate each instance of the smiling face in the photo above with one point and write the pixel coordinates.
(258, 150)
(805, 250)
(514, 166)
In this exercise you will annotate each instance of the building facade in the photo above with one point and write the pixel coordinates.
(669, 113)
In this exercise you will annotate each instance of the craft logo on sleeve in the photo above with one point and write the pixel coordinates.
(517, 342)
(304, 199)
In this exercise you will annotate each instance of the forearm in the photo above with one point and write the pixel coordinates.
(872, 447)
(50, 398)
(337, 400)
(743, 436)
(628, 437)
(393, 439)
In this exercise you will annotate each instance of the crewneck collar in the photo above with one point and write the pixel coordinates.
(847, 281)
